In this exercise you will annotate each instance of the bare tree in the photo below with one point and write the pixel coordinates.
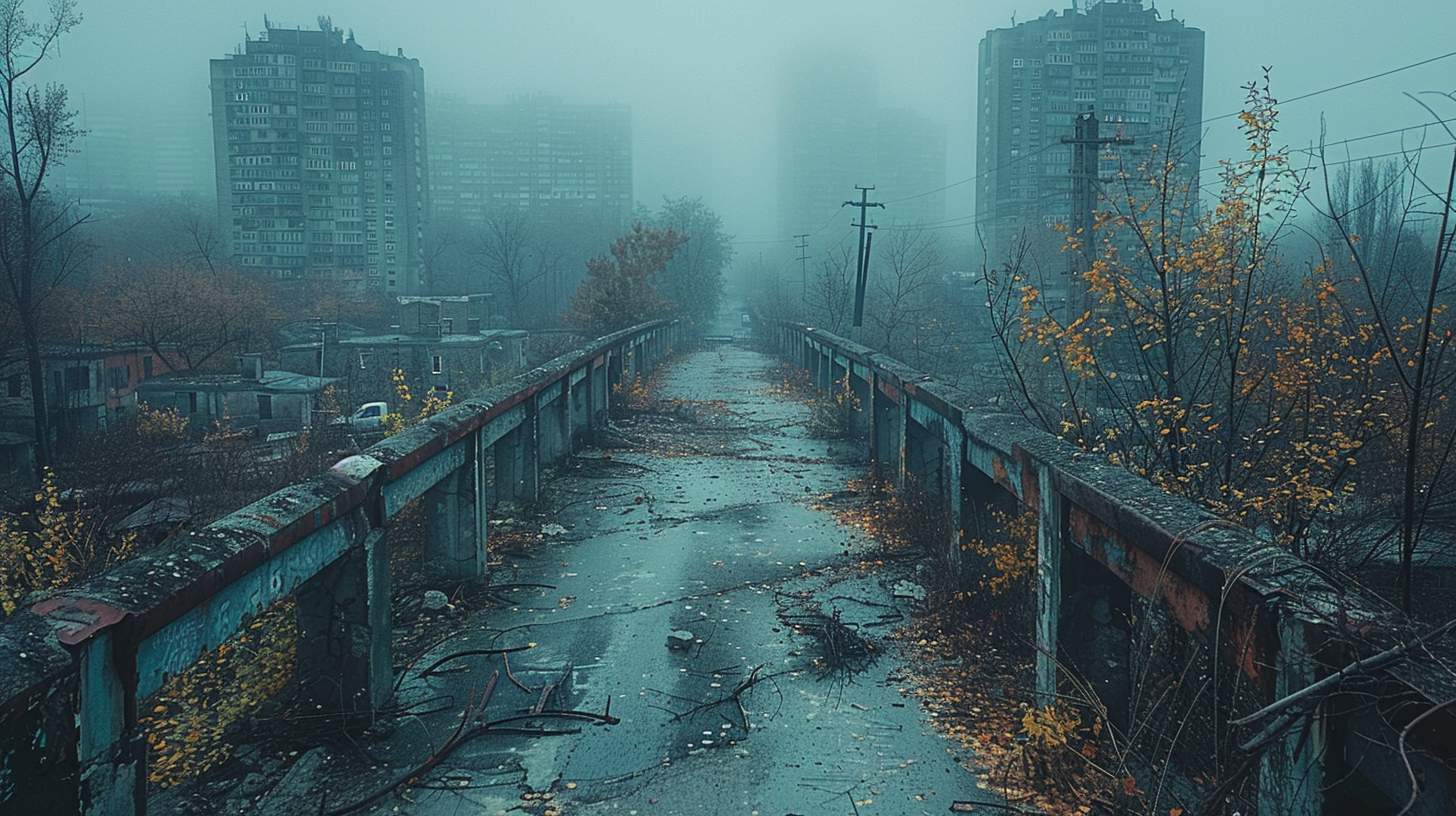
(515, 258)
(831, 289)
(186, 316)
(693, 279)
(173, 230)
(38, 246)
(1406, 295)
(909, 267)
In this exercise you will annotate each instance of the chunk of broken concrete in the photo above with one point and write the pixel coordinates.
(908, 589)
(680, 640)
(435, 600)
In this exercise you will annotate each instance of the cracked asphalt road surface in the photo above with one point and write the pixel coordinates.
(657, 542)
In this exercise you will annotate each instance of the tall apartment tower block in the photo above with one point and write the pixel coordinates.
(559, 164)
(834, 135)
(1141, 75)
(320, 158)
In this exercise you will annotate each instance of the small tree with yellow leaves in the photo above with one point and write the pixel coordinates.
(52, 544)
(406, 413)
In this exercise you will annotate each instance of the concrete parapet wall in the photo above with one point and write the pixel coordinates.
(99, 648)
(1267, 622)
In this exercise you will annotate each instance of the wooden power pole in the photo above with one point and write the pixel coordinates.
(861, 275)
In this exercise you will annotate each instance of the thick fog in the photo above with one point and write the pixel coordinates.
(701, 77)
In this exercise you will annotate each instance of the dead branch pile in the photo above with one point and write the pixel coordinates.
(843, 651)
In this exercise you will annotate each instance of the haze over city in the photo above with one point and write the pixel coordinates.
(702, 80)
(763, 406)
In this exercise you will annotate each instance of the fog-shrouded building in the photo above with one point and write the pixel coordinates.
(1140, 74)
(560, 164)
(320, 158)
(125, 155)
(833, 135)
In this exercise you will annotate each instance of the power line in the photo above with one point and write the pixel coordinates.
(1406, 152)
(1330, 89)
(977, 218)
(1343, 85)
(1391, 132)
(1001, 166)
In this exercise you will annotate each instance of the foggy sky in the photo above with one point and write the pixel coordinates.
(700, 77)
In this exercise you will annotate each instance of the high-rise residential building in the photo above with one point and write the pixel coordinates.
(560, 164)
(320, 159)
(125, 155)
(1141, 76)
(833, 135)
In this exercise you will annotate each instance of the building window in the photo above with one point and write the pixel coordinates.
(265, 406)
(437, 364)
(118, 377)
(78, 378)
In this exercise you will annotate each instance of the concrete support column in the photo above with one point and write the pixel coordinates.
(517, 465)
(578, 399)
(863, 420)
(887, 434)
(922, 459)
(553, 428)
(1049, 528)
(1291, 772)
(955, 502)
(112, 773)
(611, 377)
(344, 645)
(455, 518)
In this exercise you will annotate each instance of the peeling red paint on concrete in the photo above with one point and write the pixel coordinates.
(999, 474)
(76, 620)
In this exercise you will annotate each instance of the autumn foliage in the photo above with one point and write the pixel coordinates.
(623, 287)
(52, 544)
(1289, 397)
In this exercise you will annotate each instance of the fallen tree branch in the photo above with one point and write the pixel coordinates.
(457, 738)
(844, 650)
(1410, 769)
(1363, 665)
(468, 653)
(736, 695)
(474, 712)
(1214, 803)
(506, 658)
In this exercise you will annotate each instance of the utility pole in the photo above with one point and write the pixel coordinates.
(1086, 140)
(862, 269)
(801, 243)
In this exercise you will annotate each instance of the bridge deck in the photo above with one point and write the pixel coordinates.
(711, 542)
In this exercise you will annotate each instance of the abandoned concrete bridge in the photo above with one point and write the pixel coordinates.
(1124, 574)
